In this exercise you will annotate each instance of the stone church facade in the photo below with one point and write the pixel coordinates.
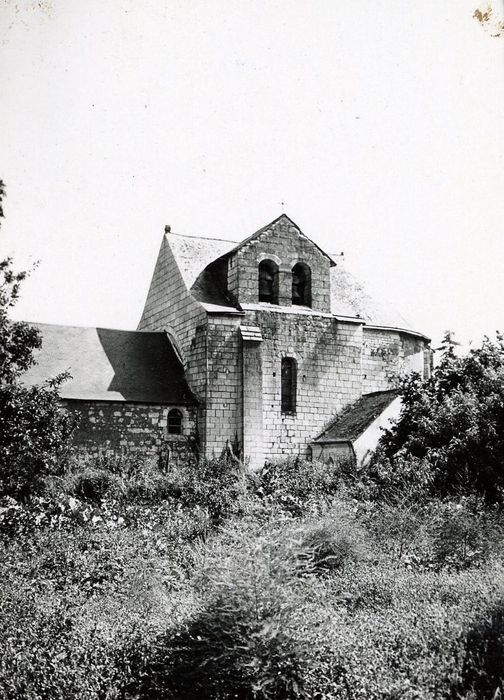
(268, 344)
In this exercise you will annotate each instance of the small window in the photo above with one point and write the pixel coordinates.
(289, 385)
(301, 285)
(268, 282)
(175, 422)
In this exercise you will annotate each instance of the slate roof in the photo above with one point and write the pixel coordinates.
(357, 418)
(350, 298)
(195, 255)
(110, 365)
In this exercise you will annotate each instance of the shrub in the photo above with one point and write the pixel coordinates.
(34, 438)
(97, 484)
(483, 666)
(464, 533)
(399, 527)
(125, 479)
(35, 430)
(393, 480)
(244, 641)
(218, 486)
(298, 486)
(334, 541)
(455, 422)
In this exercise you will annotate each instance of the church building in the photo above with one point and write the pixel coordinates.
(268, 345)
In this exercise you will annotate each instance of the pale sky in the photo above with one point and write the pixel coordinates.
(379, 123)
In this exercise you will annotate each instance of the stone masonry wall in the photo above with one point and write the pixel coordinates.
(224, 389)
(387, 354)
(328, 356)
(170, 306)
(285, 245)
(253, 428)
(118, 428)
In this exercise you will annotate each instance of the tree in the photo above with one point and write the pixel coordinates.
(34, 428)
(453, 424)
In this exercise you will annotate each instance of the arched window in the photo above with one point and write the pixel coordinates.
(268, 281)
(175, 422)
(301, 285)
(289, 385)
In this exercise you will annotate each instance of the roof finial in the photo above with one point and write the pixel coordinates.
(167, 228)
(283, 207)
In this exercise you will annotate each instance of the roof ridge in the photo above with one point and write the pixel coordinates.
(91, 328)
(205, 238)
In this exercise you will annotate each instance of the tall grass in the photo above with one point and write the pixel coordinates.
(126, 582)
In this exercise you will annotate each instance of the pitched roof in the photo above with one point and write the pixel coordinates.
(264, 229)
(354, 421)
(110, 365)
(195, 255)
(350, 298)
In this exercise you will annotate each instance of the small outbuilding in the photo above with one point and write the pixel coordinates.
(355, 433)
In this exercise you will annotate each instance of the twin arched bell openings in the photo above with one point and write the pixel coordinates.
(269, 283)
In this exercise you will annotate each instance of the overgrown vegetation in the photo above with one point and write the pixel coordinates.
(34, 429)
(450, 436)
(148, 597)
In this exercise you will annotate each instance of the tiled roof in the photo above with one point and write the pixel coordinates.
(354, 421)
(111, 365)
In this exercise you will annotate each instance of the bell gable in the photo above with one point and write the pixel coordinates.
(279, 265)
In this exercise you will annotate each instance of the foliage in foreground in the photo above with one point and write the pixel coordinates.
(34, 430)
(133, 591)
(450, 434)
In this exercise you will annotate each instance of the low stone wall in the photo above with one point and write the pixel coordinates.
(332, 452)
(119, 428)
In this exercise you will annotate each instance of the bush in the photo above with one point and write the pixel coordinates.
(244, 641)
(298, 486)
(454, 423)
(464, 533)
(33, 440)
(126, 479)
(265, 627)
(336, 540)
(97, 484)
(35, 429)
(218, 486)
(483, 665)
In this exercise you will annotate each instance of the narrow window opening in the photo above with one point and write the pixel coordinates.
(301, 285)
(289, 385)
(268, 282)
(175, 422)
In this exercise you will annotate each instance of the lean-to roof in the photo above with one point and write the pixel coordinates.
(110, 365)
(357, 418)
